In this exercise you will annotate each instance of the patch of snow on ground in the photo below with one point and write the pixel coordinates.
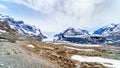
(110, 63)
(79, 49)
(2, 31)
(84, 45)
(59, 43)
(31, 46)
(50, 40)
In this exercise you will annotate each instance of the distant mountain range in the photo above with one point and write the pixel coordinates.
(10, 25)
(107, 34)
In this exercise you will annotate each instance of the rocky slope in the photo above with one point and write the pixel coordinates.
(12, 55)
(10, 25)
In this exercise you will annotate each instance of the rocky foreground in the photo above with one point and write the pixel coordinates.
(12, 55)
(32, 54)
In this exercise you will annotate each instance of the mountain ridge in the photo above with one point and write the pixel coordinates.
(20, 27)
(107, 34)
(105, 30)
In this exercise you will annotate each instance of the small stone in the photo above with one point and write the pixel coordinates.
(14, 51)
(20, 52)
(1, 64)
(8, 53)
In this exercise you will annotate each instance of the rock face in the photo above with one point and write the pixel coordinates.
(9, 24)
(5, 27)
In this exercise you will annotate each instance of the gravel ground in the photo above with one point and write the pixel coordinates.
(13, 56)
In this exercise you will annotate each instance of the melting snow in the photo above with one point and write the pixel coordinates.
(110, 63)
(31, 46)
(79, 49)
(2, 31)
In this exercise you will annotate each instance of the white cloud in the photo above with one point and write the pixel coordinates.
(85, 14)
(2, 6)
(72, 7)
(44, 6)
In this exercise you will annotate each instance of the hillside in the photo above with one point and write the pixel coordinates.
(19, 27)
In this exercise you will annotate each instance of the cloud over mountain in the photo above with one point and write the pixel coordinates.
(72, 7)
(72, 13)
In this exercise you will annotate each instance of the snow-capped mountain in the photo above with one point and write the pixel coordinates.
(79, 36)
(20, 27)
(111, 32)
(106, 30)
(72, 32)
(115, 34)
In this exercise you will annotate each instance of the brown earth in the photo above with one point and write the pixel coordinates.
(6, 27)
(13, 56)
(47, 55)
(61, 55)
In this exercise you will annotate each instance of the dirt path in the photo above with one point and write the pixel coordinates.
(13, 56)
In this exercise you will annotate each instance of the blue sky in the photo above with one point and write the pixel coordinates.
(57, 15)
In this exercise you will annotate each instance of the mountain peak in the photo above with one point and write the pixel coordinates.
(21, 27)
(70, 32)
(106, 29)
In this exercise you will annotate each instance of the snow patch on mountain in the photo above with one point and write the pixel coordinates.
(72, 32)
(106, 30)
(21, 27)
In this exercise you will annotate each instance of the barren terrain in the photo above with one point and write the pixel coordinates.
(32, 54)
